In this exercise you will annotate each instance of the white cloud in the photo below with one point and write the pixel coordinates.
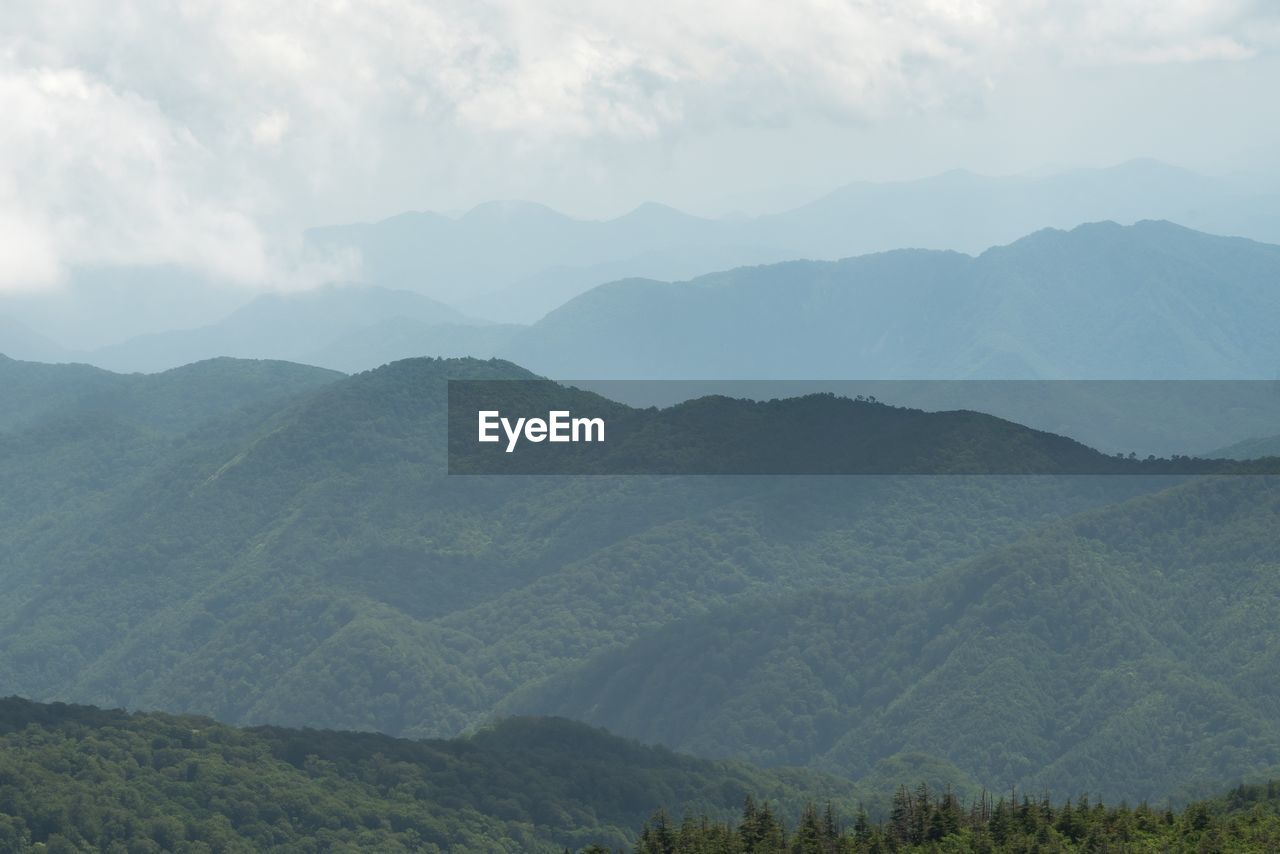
(197, 133)
(100, 176)
(271, 128)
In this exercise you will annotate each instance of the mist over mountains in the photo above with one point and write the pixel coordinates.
(1153, 300)
(513, 262)
(259, 524)
(283, 326)
(594, 428)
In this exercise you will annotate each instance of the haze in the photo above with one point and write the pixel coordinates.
(208, 135)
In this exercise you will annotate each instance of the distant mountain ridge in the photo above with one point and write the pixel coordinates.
(284, 326)
(1102, 301)
(514, 262)
(504, 259)
(1152, 301)
(19, 340)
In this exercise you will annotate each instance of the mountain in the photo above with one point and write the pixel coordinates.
(1152, 301)
(515, 261)
(497, 245)
(18, 341)
(966, 212)
(279, 326)
(1117, 651)
(534, 296)
(171, 401)
(100, 306)
(1102, 301)
(80, 778)
(179, 783)
(308, 561)
(77, 440)
(1249, 449)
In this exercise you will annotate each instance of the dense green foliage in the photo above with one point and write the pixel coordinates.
(1246, 820)
(305, 560)
(314, 565)
(77, 778)
(1128, 651)
(172, 402)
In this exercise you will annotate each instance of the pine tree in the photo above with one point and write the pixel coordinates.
(657, 836)
(900, 817)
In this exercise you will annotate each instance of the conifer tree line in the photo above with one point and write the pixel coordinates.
(1246, 820)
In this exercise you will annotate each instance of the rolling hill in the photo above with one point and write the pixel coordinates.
(80, 778)
(171, 401)
(1118, 651)
(1248, 449)
(309, 562)
(76, 777)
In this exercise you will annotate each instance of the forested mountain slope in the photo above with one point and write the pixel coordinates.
(314, 565)
(78, 778)
(1118, 651)
(172, 401)
(73, 777)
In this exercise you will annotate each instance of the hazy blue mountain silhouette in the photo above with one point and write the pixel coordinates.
(279, 326)
(514, 261)
(1153, 300)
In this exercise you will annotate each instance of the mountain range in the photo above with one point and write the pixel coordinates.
(1102, 301)
(515, 261)
(301, 558)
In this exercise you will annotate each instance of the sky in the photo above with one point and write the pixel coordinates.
(208, 135)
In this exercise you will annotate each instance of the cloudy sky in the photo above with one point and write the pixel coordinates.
(208, 134)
